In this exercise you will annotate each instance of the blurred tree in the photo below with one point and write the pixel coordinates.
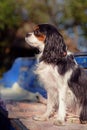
(63, 13)
(75, 14)
(74, 18)
(8, 16)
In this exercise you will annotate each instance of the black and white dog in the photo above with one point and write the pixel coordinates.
(59, 73)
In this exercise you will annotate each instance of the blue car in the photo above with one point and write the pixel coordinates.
(81, 59)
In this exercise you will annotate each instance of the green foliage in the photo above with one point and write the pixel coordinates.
(40, 11)
(54, 11)
(37, 12)
(8, 15)
(79, 12)
(11, 12)
(75, 10)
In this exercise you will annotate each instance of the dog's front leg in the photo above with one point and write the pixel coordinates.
(62, 107)
(51, 102)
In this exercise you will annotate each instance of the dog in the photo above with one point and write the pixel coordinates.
(59, 73)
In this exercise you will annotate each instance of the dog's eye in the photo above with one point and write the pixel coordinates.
(37, 32)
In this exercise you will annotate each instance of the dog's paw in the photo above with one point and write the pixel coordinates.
(40, 118)
(59, 123)
(83, 122)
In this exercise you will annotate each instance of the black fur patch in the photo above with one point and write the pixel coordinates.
(65, 64)
(78, 85)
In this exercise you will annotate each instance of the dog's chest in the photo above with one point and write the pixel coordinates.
(49, 76)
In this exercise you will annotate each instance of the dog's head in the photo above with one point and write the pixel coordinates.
(48, 40)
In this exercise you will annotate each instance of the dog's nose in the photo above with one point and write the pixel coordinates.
(28, 34)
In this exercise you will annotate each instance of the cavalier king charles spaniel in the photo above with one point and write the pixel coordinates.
(59, 73)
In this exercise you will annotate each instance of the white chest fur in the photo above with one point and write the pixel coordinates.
(49, 76)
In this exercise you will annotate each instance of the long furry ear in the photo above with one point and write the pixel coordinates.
(55, 48)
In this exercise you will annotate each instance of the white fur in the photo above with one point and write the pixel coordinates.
(33, 41)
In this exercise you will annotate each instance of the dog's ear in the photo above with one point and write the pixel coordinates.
(55, 48)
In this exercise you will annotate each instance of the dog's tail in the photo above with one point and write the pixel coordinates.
(83, 114)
